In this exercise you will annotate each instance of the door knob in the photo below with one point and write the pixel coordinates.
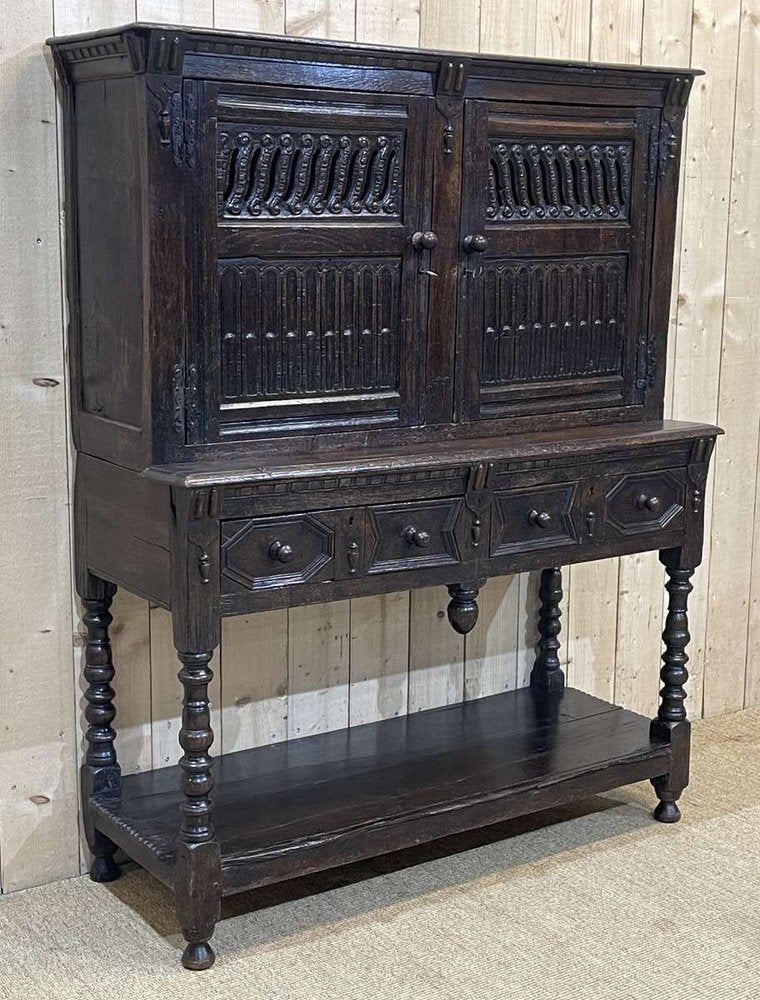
(425, 241)
(416, 537)
(280, 551)
(644, 502)
(478, 243)
(540, 518)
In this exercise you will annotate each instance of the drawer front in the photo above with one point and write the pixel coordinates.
(408, 536)
(643, 502)
(260, 553)
(533, 518)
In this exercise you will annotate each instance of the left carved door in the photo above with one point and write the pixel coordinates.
(312, 304)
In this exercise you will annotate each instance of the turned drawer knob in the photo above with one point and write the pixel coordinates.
(416, 537)
(425, 241)
(644, 502)
(477, 243)
(540, 518)
(280, 551)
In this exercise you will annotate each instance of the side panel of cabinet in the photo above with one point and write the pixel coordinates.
(312, 306)
(556, 231)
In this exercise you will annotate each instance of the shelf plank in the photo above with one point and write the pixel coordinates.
(292, 808)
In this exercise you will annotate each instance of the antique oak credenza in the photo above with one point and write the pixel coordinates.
(347, 320)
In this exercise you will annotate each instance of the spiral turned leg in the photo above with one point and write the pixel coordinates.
(547, 672)
(198, 858)
(671, 722)
(100, 770)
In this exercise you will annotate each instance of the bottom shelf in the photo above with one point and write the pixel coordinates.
(292, 808)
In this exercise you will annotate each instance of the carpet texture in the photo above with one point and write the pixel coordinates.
(591, 902)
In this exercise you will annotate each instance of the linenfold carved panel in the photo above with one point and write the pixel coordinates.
(306, 328)
(545, 181)
(553, 318)
(267, 174)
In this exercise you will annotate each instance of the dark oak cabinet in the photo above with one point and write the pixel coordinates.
(347, 320)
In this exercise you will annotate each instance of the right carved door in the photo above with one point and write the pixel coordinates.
(556, 235)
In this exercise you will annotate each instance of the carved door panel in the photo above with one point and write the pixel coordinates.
(313, 308)
(555, 235)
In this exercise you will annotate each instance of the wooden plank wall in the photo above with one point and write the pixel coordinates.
(282, 675)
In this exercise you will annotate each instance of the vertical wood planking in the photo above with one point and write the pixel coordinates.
(436, 652)
(267, 16)
(319, 637)
(450, 24)
(388, 22)
(715, 35)
(335, 19)
(38, 781)
(199, 13)
(508, 28)
(254, 680)
(562, 29)
(379, 655)
(735, 467)
(490, 663)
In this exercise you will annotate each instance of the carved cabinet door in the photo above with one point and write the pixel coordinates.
(555, 231)
(312, 312)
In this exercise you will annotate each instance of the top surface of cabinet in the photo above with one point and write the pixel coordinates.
(336, 246)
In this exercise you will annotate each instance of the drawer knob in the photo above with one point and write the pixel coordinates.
(478, 243)
(540, 518)
(644, 502)
(280, 551)
(416, 537)
(425, 241)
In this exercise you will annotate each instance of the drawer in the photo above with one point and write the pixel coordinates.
(647, 501)
(260, 553)
(411, 535)
(533, 518)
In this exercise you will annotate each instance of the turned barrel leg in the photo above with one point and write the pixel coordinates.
(671, 722)
(546, 671)
(197, 861)
(100, 770)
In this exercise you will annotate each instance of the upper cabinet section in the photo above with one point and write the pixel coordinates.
(557, 221)
(277, 242)
(314, 311)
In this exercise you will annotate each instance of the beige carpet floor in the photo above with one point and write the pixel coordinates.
(588, 903)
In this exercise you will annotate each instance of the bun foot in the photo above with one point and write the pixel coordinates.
(667, 812)
(104, 869)
(198, 956)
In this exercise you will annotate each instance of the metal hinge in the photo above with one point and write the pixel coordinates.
(185, 406)
(667, 147)
(176, 123)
